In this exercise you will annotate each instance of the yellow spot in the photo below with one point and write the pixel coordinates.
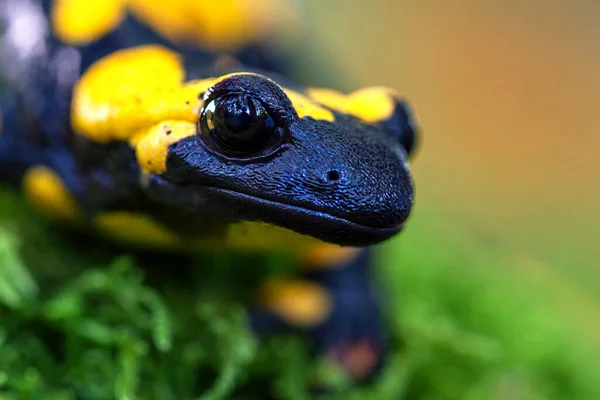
(263, 236)
(45, 190)
(152, 146)
(327, 255)
(300, 303)
(132, 89)
(83, 21)
(371, 105)
(305, 107)
(136, 229)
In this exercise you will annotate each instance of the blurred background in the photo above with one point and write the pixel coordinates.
(508, 185)
(506, 92)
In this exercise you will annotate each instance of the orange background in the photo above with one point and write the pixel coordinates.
(507, 94)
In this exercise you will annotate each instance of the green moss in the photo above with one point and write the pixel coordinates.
(82, 320)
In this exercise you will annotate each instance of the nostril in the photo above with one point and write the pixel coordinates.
(332, 175)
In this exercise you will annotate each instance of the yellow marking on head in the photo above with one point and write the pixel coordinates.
(132, 89)
(305, 107)
(299, 303)
(152, 146)
(131, 94)
(45, 190)
(136, 229)
(327, 255)
(80, 22)
(126, 93)
(371, 105)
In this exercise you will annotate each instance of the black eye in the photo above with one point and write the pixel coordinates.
(238, 125)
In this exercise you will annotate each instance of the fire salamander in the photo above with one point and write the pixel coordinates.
(119, 117)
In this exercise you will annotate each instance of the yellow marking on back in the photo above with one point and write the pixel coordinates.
(173, 21)
(136, 229)
(79, 22)
(152, 146)
(46, 191)
(371, 105)
(217, 24)
(300, 303)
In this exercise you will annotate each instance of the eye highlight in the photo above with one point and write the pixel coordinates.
(239, 126)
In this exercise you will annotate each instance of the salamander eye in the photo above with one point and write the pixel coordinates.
(239, 126)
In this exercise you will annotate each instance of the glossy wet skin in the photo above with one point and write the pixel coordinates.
(253, 158)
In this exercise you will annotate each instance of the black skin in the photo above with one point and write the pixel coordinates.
(344, 182)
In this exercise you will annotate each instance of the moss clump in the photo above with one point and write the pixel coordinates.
(81, 320)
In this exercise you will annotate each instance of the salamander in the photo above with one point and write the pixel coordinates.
(124, 118)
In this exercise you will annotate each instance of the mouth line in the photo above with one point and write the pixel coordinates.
(299, 209)
(237, 206)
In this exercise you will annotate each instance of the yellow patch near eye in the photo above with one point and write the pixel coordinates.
(305, 107)
(300, 303)
(83, 21)
(46, 191)
(132, 89)
(371, 105)
(135, 229)
(152, 146)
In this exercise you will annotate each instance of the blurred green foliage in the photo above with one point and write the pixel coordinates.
(81, 320)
